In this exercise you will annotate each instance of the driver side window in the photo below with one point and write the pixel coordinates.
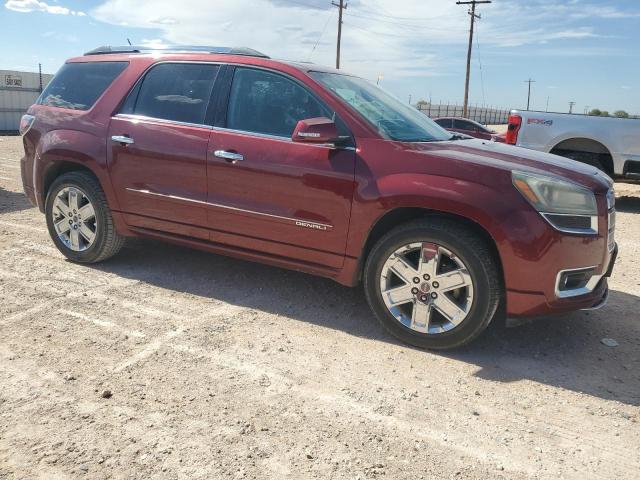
(268, 103)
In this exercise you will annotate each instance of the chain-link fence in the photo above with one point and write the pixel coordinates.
(484, 115)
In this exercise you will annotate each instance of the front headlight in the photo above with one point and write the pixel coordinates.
(567, 206)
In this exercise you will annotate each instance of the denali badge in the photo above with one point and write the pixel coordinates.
(316, 226)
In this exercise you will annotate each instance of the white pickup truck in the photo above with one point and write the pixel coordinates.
(608, 143)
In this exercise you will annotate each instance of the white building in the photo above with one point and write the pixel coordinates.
(18, 91)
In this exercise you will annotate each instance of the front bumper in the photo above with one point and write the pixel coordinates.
(601, 303)
(526, 304)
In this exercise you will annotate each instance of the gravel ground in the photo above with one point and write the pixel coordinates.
(172, 363)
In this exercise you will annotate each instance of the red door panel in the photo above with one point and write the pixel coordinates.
(295, 196)
(162, 174)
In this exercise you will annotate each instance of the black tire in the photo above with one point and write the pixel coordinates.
(472, 250)
(107, 242)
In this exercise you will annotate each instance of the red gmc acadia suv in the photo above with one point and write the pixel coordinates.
(316, 170)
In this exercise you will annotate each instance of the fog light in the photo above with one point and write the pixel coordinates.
(575, 279)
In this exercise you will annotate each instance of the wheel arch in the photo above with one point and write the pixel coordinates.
(63, 150)
(587, 145)
(57, 168)
(400, 215)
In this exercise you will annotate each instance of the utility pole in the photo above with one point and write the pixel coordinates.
(40, 76)
(472, 12)
(571, 104)
(529, 94)
(547, 104)
(341, 6)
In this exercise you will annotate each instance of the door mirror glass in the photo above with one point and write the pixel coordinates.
(316, 130)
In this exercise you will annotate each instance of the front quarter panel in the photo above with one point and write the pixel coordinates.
(382, 189)
(531, 252)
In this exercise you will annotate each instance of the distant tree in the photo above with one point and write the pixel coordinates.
(620, 114)
(422, 104)
(604, 113)
(595, 112)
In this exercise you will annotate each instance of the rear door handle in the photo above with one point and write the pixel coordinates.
(122, 139)
(230, 156)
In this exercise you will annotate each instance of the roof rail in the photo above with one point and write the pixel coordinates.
(249, 52)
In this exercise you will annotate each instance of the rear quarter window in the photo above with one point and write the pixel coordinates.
(444, 122)
(77, 86)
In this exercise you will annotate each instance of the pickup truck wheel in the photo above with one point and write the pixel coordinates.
(433, 283)
(589, 158)
(79, 219)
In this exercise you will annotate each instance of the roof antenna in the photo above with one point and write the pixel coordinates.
(129, 41)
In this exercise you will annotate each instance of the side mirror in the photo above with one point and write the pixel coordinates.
(315, 130)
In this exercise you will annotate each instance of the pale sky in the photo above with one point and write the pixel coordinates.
(577, 50)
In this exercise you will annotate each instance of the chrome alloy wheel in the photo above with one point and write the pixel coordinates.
(426, 287)
(74, 219)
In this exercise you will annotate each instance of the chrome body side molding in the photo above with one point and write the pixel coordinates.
(295, 221)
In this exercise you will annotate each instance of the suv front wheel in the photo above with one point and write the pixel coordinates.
(433, 283)
(79, 219)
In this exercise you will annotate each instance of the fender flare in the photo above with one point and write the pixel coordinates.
(470, 201)
(71, 147)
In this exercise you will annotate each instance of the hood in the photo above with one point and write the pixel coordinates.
(508, 157)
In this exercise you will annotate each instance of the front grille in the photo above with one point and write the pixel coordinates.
(611, 219)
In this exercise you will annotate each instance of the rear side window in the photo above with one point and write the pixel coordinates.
(77, 86)
(463, 125)
(176, 91)
(444, 122)
(268, 103)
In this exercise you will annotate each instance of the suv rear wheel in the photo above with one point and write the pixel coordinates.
(433, 283)
(79, 219)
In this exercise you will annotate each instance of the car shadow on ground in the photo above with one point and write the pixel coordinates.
(563, 352)
(13, 201)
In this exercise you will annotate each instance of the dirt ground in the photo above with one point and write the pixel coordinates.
(172, 363)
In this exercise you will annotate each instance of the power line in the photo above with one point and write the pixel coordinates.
(472, 13)
(529, 94)
(349, 19)
(480, 64)
(321, 34)
(396, 21)
(341, 7)
(303, 4)
(372, 11)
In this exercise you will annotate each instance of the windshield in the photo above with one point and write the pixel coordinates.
(392, 118)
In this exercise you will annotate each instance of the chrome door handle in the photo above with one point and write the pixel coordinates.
(122, 139)
(231, 156)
